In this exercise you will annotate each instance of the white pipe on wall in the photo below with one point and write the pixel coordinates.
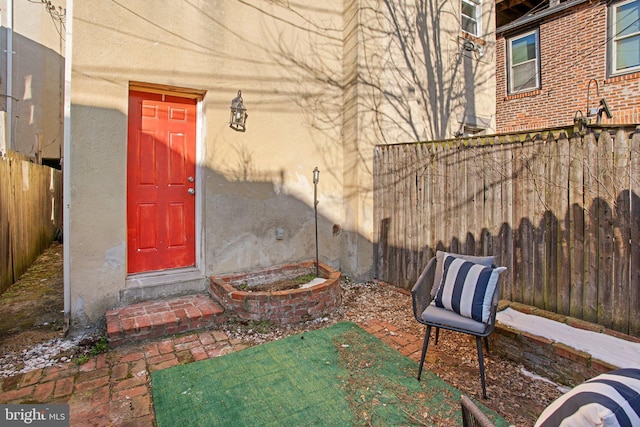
(66, 166)
(10, 75)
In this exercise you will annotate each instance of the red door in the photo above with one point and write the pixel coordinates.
(160, 182)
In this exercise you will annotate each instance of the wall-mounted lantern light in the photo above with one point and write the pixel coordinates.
(239, 114)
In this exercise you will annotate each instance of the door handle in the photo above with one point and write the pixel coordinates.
(191, 191)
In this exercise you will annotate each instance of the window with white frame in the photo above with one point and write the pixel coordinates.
(624, 29)
(471, 17)
(524, 62)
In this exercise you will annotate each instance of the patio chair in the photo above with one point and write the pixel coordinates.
(472, 416)
(458, 293)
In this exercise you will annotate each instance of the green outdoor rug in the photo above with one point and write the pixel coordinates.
(337, 376)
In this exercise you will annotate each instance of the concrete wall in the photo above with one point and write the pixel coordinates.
(37, 75)
(302, 70)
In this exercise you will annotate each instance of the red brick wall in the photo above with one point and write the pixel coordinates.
(280, 307)
(572, 51)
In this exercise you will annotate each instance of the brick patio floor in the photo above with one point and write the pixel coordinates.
(113, 389)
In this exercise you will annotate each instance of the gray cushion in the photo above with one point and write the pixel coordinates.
(437, 278)
(449, 318)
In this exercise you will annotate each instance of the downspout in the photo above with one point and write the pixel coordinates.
(66, 168)
(10, 75)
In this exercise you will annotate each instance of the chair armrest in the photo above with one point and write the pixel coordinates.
(421, 291)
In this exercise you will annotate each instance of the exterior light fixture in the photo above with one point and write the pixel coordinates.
(316, 175)
(238, 118)
(603, 107)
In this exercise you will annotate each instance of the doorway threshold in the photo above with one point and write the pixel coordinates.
(163, 284)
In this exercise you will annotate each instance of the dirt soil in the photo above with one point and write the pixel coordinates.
(278, 285)
(31, 313)
(32, 310)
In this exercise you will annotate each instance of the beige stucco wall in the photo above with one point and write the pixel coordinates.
(300, 68)
(251, 183)
(37, 76)
(415, 52)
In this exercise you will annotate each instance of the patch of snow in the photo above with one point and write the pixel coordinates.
(616, 351)
(314, 282)
(536, 377)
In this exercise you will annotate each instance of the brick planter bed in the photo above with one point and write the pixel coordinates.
(551, 359)
(280, 307)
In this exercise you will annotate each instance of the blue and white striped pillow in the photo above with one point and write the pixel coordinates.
(611, 399)
(467, 288)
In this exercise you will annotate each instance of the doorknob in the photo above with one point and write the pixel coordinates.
(190, 179)
(191, 191)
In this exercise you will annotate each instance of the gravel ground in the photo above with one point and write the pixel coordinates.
(513, 392)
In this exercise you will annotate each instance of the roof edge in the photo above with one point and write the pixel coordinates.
(527, 19)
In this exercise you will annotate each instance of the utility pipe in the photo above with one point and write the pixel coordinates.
(66, 168)
(10, 75)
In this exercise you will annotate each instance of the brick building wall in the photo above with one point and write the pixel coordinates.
(573, 50)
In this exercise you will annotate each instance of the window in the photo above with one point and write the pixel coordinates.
(524, 62)
(624, 27)
(471, 17)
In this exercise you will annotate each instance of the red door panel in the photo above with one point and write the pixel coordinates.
(160, 182)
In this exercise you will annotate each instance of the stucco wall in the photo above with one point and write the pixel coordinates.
(252, 183)
(305, 74)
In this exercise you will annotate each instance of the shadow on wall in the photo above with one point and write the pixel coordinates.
(241, 220)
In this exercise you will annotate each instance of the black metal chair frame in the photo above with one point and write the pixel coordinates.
(421, 298)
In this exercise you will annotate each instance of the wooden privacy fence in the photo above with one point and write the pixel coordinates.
(30, 212)
(562, 214)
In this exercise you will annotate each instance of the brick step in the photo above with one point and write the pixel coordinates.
(154, 319)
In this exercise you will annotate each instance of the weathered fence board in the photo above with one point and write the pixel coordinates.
(561, 213)
(6, 260)
(30, 212)
(634, 240)
(605, 230)
(590, 189)
(573, 285)
(621, 231)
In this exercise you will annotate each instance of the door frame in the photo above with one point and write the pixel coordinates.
(151, 277)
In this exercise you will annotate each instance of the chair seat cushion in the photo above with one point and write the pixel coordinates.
(467, 288)
(611, 399)
(449, 319)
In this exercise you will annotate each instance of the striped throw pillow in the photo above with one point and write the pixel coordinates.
(467, 288)
(611, 399)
